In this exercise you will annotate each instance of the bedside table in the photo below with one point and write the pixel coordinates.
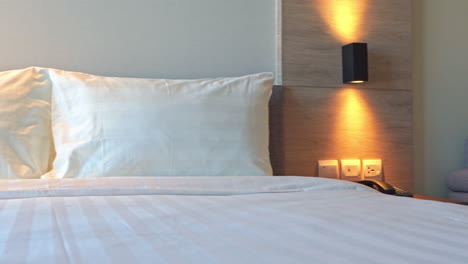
(423, 197)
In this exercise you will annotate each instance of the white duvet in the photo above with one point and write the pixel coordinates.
(223, 220)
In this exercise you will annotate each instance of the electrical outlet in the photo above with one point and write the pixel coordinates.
(328, 169)
(351, 170)
(372, 169)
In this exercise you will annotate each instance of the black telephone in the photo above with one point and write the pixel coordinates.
(386, 188)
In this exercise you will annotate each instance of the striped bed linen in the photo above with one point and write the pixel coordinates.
(223, 220)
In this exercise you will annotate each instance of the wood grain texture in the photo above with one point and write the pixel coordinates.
(314, 116)
(311, 41)
(310, 124)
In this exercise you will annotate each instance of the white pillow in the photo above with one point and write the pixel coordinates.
(24, 123)
(106, 126)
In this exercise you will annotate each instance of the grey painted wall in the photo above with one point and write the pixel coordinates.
(140, 38)
(441, 91)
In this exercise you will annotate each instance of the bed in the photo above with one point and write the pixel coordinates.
(223, 220)
(178, 171)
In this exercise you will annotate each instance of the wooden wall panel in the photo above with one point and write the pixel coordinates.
(309, 124)
(315, 116)
(313, 32)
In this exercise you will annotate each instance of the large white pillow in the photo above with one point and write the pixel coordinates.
(24, 123)
(106, 126)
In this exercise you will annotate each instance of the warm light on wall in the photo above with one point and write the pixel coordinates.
(344, 18)
(355, 126)
(353, 113)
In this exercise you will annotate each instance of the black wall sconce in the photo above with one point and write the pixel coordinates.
(355, 63)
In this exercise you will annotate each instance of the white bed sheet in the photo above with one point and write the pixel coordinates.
(223, 220)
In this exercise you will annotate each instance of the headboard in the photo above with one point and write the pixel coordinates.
(310, 124)
(276, 133)
(320, 117)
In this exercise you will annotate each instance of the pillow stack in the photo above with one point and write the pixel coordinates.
(106, 126)
(24, 123)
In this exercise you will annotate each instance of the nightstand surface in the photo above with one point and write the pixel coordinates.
(423, 197)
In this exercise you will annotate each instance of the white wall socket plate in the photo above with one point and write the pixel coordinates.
(351, 170)
(372, 169)
(328, 169)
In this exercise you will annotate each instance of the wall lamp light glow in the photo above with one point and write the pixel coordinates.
(355, 66)
(345, 18)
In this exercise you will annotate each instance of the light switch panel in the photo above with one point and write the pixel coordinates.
(351, 170)
(372, 169)
(328, 169)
